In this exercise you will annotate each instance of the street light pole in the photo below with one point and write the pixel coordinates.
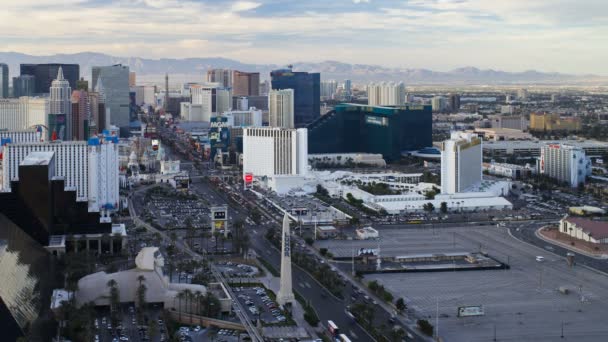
(437, 319)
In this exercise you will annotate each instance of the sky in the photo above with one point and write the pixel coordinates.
(569, 36)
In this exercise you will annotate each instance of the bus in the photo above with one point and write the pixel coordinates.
(333, 329)
(343, 338)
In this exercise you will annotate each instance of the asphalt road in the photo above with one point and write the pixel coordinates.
(527, 234)
(325, 304)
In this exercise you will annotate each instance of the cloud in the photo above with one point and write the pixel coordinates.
(241, 6)
(551, 35)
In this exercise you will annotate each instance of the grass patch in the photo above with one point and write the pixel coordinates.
(310, 315)
(269, 267)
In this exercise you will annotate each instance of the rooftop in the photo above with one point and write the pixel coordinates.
(597, 229)
(38, 158)
(540, 143)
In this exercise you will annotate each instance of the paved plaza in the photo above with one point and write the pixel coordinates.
(520, 304)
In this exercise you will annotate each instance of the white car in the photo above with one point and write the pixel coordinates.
(540, 258)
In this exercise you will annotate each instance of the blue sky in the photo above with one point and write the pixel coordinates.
(514, 35)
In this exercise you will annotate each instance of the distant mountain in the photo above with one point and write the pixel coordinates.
(193, 68)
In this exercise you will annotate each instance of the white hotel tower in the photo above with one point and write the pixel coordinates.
(460, 162)
(88, 168)
(272, 151)
(386, 94)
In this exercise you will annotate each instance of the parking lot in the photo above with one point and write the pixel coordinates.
(235, 270)
(129, 329)
(396, 242)
(173, 212)
(259, 303)
(520, 304)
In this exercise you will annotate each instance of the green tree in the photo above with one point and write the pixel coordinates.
(397, 334)
(153, 329)
(373, 285)
(180, 297)
(240, 239)
(188, 297)
(400, 305)
(444, 207)
(428, 207)
(426, 327)
(322, 191)
(114, 300)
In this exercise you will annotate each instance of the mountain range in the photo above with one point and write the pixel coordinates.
(153, 70)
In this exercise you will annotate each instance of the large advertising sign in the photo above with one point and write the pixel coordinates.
(219, 135)
(299, 211)
(57, 126)
(470, 311)
(219, 215)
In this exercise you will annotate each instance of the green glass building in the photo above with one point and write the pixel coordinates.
(352, 128)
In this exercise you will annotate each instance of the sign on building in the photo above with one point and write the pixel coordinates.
(219, 219)
(470, 311)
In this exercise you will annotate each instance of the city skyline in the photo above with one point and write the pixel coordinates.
(441, 35)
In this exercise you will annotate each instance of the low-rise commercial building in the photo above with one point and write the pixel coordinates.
(508, 170)
(500, 134)
(326, 232)
(585, 229)
(531, 148)
(367, 233)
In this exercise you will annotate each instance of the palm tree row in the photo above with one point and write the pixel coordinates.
(197, 303)
(114, 300)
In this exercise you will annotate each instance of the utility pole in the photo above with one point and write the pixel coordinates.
(437, 320)
(353, 261)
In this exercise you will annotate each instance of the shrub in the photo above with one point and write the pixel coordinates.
(426, 327)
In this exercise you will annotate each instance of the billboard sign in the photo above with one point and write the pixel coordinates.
(367, 252)
(470, 311)
(219, 135)
(299, 211)
(57, 126)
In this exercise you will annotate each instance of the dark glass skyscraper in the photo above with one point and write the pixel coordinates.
(307, 93)
(352, 128)
(46, 73)
(26, 270)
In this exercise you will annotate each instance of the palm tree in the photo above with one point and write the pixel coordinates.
(114, 299)
(197, 296)
(188, 295)
(180, 296)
